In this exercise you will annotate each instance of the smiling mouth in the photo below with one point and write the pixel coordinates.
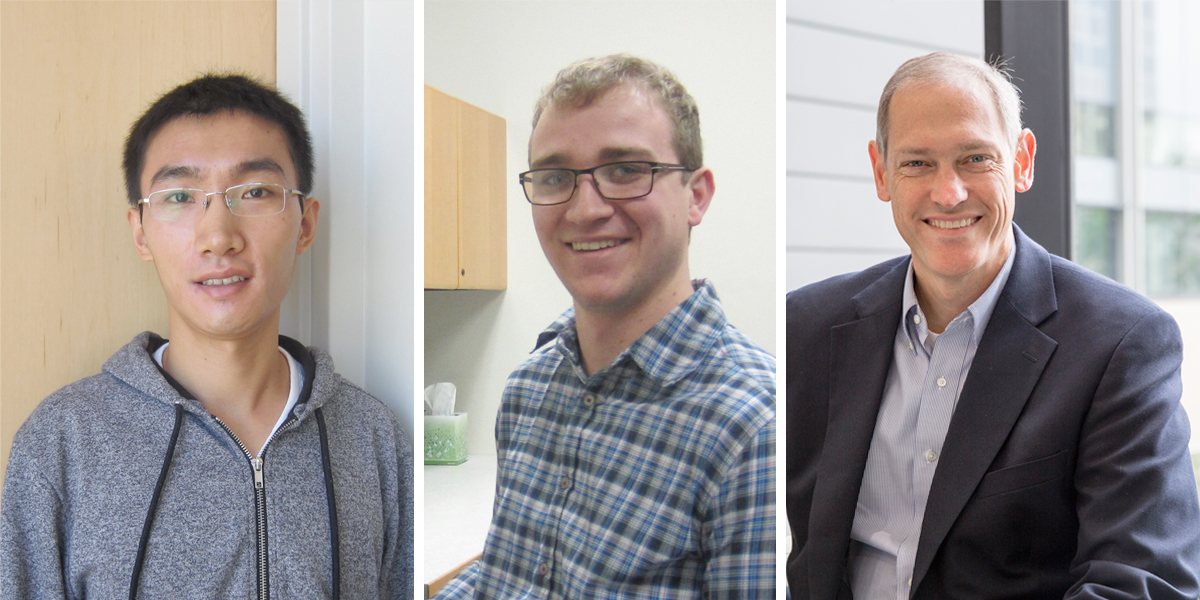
(956, 224)
(226, 281)
(591, 246)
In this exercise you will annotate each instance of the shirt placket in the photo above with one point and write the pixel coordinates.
(943, 376)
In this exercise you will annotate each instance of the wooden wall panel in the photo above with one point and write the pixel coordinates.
(73, 77)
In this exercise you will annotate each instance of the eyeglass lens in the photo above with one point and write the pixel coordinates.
(247, 200)
(616, 181)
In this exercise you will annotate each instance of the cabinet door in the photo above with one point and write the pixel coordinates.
(441, 190)
(482, 206)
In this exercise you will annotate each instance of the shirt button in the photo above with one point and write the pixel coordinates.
(917, 319)
(589, 400)
(930, 456)
(941, 382)
(910, 582)
(564, 483)
(545, 568)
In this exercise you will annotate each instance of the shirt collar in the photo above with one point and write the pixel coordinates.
(980, 310)
(670, 350)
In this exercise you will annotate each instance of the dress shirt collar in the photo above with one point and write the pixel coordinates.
(666, 353)
(980, 310)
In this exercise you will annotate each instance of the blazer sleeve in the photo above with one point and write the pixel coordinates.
(1139, 520)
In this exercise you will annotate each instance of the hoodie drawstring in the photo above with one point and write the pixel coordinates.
(331, 503)
(162, 478)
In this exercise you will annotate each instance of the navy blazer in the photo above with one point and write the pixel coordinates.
(1065, 471)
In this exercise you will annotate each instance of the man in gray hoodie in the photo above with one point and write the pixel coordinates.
(230, 461)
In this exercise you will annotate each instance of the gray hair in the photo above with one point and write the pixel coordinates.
(949, 68)
(583, 82)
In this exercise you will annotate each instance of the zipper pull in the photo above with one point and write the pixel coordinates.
(256, 464)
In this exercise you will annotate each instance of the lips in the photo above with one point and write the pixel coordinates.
(952, 224)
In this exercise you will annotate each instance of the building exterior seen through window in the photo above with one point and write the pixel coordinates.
(1135, 87)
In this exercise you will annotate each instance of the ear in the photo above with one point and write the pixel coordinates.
(1023, 165)
(134, 216)
(308, 224)
(700, 188)
(879, 169)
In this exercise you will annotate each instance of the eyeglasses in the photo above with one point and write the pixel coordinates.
(245, 200)
(614, 181)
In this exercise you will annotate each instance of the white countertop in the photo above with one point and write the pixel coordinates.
(458, 512)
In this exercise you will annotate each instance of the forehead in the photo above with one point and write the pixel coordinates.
(216, 143)
(929, 113)
(625, 122)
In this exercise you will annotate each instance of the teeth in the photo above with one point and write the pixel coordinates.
(952, 224)
(226, 281)
(593, 245)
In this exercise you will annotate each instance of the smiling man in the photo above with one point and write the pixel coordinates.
(230, 461)
(636, 448)
(980, 419)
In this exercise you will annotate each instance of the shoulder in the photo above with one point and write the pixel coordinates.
(1082, 294)
(834, 296)
(745, 365)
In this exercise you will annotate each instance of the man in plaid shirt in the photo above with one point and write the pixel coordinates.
(636, 447)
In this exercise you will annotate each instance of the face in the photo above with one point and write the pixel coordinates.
(224, 276)
(951, 175)
(616, 256)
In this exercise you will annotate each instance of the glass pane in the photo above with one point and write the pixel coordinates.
(1172, 254)
(1098, 239)
(1096, 170)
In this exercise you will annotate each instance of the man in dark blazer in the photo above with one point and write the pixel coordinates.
(981, 419)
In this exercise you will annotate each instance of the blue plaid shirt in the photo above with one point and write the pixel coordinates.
(653, 478)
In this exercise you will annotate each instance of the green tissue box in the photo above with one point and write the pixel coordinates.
(446, 439)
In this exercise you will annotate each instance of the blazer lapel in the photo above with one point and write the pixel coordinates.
(1007, 366)
(860, 356)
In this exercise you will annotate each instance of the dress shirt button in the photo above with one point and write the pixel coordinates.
(910, 582)
(930, 456)
(545, 568)
(564, 483)
(917, 319)
(589, 400)
(941, 382)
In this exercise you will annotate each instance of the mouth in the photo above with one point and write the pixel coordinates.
(225, 281)
(954, 224)
(597, 245)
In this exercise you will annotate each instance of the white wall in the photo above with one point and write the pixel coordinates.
(499, 56)
(349, 65)
(839, 56)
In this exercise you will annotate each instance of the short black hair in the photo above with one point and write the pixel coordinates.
(209, 94)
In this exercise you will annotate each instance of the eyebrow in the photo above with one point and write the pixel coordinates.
(607, 155)
(258, 165)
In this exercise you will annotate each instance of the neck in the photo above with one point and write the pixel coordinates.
(230, 377)
(943, 299)
(603, 335)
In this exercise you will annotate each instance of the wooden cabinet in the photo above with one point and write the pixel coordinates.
(465, 199)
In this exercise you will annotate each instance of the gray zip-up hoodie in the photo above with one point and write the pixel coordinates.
(92, 459)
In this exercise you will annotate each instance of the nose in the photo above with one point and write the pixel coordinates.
(587, 205)
(218, 230)
(949, 188)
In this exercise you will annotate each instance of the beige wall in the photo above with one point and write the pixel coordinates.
(73, 77)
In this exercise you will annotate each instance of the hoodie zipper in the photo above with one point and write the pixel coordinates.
(260, 502)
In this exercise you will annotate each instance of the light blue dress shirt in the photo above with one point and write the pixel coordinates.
(923, 385)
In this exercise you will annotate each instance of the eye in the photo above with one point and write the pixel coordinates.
(625, 172)
(176, 197)
(914, 163)
(978, 158)
(258, 192)
(550, 178)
